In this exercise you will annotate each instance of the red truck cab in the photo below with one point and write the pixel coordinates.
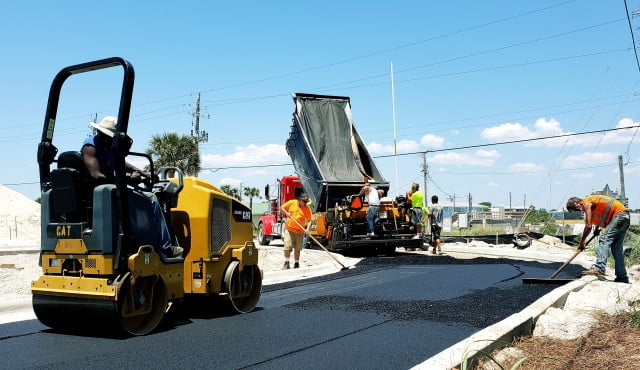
(271, 224)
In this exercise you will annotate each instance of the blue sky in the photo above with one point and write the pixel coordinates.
(466, 74)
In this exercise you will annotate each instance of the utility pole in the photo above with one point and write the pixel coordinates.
(509, 200)
(425, 174)
(623, 197)
(93, 130)
(198, 135)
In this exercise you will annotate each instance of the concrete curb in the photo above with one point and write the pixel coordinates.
(276, 277)
(502, 333)
(18, 251)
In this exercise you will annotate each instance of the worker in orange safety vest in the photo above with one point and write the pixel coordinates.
(603, 211)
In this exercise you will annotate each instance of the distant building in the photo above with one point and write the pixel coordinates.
(611, 193)
(259, 208)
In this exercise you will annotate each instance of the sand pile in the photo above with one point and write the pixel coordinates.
(19, 219)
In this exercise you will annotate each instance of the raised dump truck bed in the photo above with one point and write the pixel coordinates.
(332, 162)
(327, 151)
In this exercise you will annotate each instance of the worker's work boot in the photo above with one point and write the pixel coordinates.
(286, 265)
(594, 271)
(296, 265)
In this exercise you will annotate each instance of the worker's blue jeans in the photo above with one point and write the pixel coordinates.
(147, 221)
(371, 215)
(612, 240)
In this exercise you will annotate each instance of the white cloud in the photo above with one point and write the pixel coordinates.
(492, 184)
(403, 146)
(234, 183)
(454, 132)
(526, 167)
(582, 175)
(541, 128)
(248, 155)
(430, 140)
(619, 136)
(632, 168)
(545, 127)
(488, 153)
(588, 160)
(506, 132)
(483, 158)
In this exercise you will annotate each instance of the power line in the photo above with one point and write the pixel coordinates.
(482, 52)
(446, 149)
(229, 101)
(530, 172)
(528, 117)
(509, 142)
(214, 169)
(381, 52)
(633, 39)
(21, 183)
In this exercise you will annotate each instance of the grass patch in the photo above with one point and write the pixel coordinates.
(476, 231)
(612, 344)
(632, 240)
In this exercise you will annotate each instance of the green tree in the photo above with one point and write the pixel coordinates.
(486, 205)
(538, 216)
(232, 192)
(173, 150)
(251, 193)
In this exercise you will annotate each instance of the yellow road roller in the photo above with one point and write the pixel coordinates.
(99, 269)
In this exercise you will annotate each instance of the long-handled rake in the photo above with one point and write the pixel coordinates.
(319, 244)
(551, 279)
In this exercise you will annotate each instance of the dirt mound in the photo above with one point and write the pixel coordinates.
(19, 219)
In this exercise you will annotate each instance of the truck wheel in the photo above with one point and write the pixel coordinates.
(262, 238)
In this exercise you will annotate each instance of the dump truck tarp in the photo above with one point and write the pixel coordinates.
(327, 152)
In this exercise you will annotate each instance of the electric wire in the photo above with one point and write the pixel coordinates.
(400, 71)
(383, 51)
(633, 39)
(508, 142)
(551, 173)
(446, 149)
(240, 100)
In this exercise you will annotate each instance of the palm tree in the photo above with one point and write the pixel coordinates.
(251, 193)
(232, 192)
(172, 150)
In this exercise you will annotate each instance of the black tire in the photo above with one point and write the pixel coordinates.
(522, 241)
(262, 238)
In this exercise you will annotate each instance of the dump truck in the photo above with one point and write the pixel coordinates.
(333, 164)
(97, 275)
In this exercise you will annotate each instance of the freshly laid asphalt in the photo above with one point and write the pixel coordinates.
(385, 313)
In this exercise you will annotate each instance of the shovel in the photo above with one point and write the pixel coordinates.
(319, 244)
(551, 279)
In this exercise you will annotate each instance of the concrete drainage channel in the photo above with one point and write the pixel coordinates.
(502, 333)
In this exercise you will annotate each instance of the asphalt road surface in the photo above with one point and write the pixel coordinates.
(386, 313)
